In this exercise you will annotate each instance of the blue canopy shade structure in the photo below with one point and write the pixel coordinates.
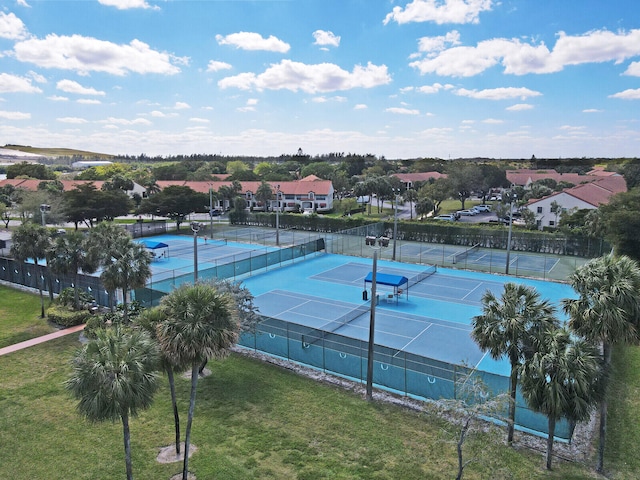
(153, 245)
(395, 281)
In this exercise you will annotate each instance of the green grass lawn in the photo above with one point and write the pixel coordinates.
(20, 317)
(253, 421)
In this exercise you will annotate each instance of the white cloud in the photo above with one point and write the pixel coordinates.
(124, 121)
(215, 66)
(181, 106)
(57, 98)
(324, 77)
(88, 101)
(86, 54)
(23, 3)
(37, 77)
(157, 114)
(402, 111)
(521, 58)
(498, 93)
(14, 84)
(75, 120)
(360, 106)
(435, 88)
(11, 27)
(633, 69)
(252, 101)
(518, 107)
(437, 44)
(439, 11)
(253, 41)
(592, 110)
(70, 86)
(492, 121)
(326, 38)
(15, 115)
(126, 4)
(199, 120)
(630, 94)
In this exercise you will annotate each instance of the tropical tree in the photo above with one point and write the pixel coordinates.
(114, 377)
(556, 209)
(562, 380)
(149, 320)
(201, 324)
(264, 194)
(174, 202)
(512, 326)
(436, 192)
(606, 313)
(69, 254)
(410, 196)
(31, 241)
(126, 265)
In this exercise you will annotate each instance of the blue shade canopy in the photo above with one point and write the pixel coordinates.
(386, 279)
(153, 245)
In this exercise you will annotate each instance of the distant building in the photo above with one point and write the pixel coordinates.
(409, 179)
(584, 196)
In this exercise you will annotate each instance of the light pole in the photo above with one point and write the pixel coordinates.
(211, 209)
(395, 224)
(278, 215)
(512, 196)
(371, 241)
(195, 227)
(44, 208)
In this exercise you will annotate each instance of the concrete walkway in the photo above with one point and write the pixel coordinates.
(39, 340)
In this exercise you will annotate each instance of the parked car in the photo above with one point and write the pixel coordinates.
(482, 208)
(446, 216)
(467, 213)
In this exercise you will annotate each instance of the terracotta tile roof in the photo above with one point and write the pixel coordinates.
(298, 187)
(595, 193)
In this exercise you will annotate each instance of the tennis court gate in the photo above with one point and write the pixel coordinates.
(394, 370)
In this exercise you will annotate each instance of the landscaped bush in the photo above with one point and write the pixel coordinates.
(94, 323)
(67, 299)
(65, 317)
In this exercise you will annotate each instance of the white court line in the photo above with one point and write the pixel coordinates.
(413, 340)
(473, 290)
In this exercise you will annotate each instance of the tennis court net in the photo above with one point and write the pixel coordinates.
(186, 248)
(334, 325)
(456, 257)
(422, 276)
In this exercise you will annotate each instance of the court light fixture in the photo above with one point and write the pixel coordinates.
(195, 227)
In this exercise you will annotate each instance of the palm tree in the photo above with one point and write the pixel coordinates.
(605, 313)
(411, 196)
(114, 378)
(127, 266)
(31, 240)
(512, 326)
(69, 254)
(201, 324)
(562, 380)
(149, 320)
(264, 195)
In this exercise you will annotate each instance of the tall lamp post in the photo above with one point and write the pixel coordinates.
(278, 215)
(195, 227)
(211, 209)
(512, 197)
(382, 242)
(395, 223)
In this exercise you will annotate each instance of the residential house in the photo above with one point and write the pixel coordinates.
(584, 196)
(410, 179)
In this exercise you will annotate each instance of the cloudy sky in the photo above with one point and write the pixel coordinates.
(394, 78)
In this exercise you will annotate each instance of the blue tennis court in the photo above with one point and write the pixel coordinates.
(434, 321)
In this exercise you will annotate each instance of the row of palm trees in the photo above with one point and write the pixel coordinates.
(563, 371)
(115, 376)
(124, 264)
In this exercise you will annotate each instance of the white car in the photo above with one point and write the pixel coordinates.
(446, 216)
(467, 213)
(482, 208)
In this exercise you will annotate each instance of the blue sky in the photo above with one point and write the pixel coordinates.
(400, 79)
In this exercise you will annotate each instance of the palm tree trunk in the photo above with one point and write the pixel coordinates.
(127, 446)
(76, 294)
(174, 403)
(606, 353)
(192, 407)
(552, 431)
(513, 383)
(39, 284)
